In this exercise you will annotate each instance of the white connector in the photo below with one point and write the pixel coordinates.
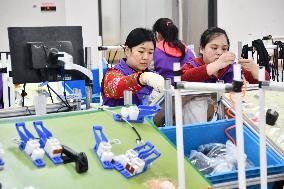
(1, 151)
(33, 149)
(104, 147)
(138, 165)
(31, 145)
(122, 159)
(131, 154)
(133, 112)
(124, 112)
(107, 156)
(37, 153)
(53, 147)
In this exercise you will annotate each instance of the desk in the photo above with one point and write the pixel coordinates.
(74, 129)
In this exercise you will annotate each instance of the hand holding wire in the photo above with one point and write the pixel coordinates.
(248, 64)
(226, 59)
(251, 66)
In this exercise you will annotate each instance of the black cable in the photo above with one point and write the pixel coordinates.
(275, 58)
(64, 89)
(263, 56)
(280, 53)
(245, 51)
(64, 93)
(108, 56)
(27, 109)
(114, 57)
(50, 94)
(138, 135)
(134, 129)
(23, 95)
(60, 98)
(282, 70)
(61, 108)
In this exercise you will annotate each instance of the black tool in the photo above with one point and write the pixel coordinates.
(271, 117)
(81, 161)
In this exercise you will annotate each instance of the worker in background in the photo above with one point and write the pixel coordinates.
(132, 72)
(216, 62)
(169, 49)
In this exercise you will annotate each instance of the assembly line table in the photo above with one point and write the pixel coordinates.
(74, 129)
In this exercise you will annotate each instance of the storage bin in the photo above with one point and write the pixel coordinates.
(213, 132)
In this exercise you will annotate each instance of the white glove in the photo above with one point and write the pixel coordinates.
(153, 80)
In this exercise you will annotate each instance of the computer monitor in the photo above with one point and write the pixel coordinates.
(34, 53)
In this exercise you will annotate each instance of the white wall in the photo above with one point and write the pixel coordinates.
(111, 20)
(121, 16)
(257, 17)
(145, 13)
(85, 13)
(27, 13)
(195, 21)
(68, 12)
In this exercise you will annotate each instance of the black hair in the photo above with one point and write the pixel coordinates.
(169, 32)
(210, 34)
(138, 36)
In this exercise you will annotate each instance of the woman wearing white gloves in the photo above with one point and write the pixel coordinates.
(132, 72)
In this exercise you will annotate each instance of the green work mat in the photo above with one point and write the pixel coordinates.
(75, 130)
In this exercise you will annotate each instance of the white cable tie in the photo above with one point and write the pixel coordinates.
(16, 140)
(115, 141)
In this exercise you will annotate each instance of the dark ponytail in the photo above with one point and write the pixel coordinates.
(169, 32)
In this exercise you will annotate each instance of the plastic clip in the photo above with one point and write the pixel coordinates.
(30, 145)
(51, 145)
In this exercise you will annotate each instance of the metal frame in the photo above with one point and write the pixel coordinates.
(212, 13)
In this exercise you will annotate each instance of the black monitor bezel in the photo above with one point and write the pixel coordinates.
(22, 70)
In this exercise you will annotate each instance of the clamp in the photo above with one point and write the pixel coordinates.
(51, 145)
(134, 162)
(103, 148)
(137, 160)
(144, 110)
(30, 145)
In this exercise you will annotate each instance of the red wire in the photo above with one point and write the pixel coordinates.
(228, 135)
(228, 111)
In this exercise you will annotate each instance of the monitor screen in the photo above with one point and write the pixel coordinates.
(34, 53)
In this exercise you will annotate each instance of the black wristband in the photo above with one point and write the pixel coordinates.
(138, 80)
(177, 73)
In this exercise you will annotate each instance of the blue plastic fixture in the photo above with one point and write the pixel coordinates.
(51, 145)
(134, 162)
(102, 143)
(30, 145)
(144, 110)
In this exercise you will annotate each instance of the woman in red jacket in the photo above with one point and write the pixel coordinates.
(132, 72)
(216, 62)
